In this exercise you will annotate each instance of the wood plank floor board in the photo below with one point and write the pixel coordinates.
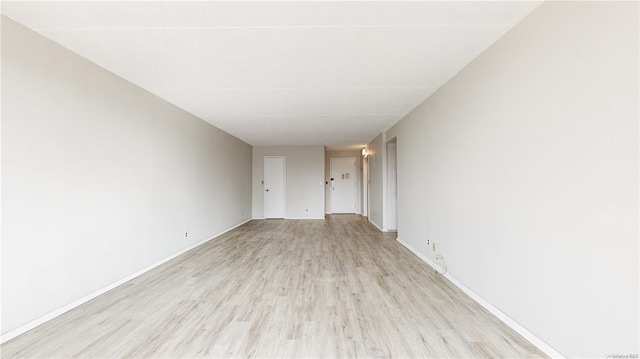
(334, 288)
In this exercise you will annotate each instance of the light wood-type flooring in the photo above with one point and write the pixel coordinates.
(282, 289)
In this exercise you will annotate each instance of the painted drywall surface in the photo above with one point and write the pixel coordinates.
(327, 170)
(524, 171)
(376, 150)
(305, 180)
(100, 178)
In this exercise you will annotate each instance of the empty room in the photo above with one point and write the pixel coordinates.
(320, 179)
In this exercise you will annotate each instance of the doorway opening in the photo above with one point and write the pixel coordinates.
(365, 186)
(392, 186)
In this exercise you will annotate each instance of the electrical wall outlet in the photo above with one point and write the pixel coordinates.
(428, 242)
(186, 234)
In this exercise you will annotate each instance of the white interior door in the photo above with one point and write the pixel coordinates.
(274, 186)
(343, 185)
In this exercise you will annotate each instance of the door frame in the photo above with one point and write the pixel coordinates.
(391, 201)
(284, 186)
(355, 182)
(365, 187)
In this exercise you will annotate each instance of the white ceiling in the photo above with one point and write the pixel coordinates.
(281, 73)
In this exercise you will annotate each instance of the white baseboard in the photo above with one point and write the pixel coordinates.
(375, 224)
(380, 229)
(524, 332)
(47, 317)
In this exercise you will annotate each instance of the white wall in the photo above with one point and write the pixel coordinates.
(524, 171)
(327, 177)
(305, 180)
(100, 178)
